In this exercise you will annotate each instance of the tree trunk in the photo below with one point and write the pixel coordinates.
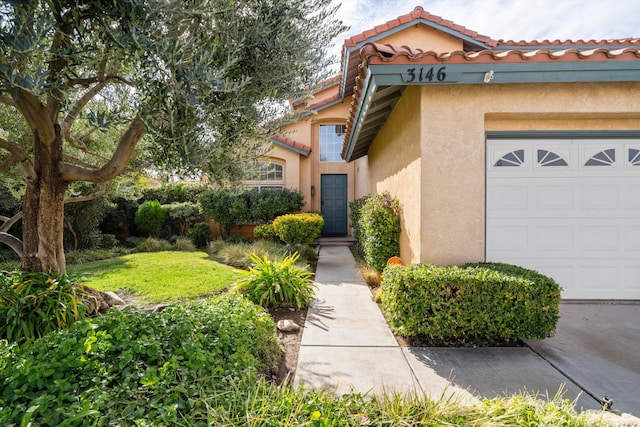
(43, 209)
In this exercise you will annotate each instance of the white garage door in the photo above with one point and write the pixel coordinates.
(569, 209)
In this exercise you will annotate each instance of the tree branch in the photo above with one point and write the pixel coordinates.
(20, 155)
(33, 111)
(8, 222)
(118, 162)
(87, 81)
(86, 198)
(80, 162)
(12, 241)
(65, 126)
(8, 163)
(7, 100)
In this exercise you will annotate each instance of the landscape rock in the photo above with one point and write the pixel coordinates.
(112, 299)
(286, 325)
(158, 308)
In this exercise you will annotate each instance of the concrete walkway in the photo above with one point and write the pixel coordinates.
(348, 346)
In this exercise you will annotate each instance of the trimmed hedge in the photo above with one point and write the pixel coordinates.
(296, 229)
(229, 208)
(476, 303)
(265, 232)
(355, 212)
(150, 217)
(380, 229)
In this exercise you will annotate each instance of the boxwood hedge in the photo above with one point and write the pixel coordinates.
(298, 229)
(476, 303)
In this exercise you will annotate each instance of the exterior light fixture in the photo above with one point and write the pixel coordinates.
(488, 76)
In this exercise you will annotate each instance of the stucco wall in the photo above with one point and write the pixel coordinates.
(454, 121)
(431, 152)
(394, 166)
(424, 37)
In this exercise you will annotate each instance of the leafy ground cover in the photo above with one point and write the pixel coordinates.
(158, 276)
(188, 366)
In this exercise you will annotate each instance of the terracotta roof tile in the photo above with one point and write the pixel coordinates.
(332, 81)
(375, 53)
(291, 143)
(417, 13)
(625, 41)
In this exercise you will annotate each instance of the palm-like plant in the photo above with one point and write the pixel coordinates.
(277, 283)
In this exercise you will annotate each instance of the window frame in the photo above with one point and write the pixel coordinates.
(329, 150)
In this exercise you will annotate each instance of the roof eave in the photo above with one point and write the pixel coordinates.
(302, 152)
(384, 75)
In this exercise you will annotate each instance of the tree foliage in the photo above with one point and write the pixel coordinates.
(186, 85)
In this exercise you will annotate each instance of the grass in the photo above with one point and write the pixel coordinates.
(158, 276)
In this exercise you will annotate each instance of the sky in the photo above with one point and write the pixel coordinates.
(505, 19)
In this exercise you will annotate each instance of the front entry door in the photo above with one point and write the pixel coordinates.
(333, 199)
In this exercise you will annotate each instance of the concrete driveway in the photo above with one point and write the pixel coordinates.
(597, 347)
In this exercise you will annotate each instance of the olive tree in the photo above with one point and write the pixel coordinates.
(184, 84)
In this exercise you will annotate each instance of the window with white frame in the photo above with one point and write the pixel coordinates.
(267, 176)
(331, 142)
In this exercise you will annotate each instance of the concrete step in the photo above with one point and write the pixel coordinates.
(335, 241)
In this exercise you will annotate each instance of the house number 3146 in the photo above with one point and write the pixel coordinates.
(425, 74)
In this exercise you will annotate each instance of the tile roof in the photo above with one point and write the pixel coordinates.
(374, 53)
(332, 81)
(417, 13)
(609, 42)
(291, 144)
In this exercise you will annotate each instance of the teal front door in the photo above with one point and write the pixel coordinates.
(333, 198)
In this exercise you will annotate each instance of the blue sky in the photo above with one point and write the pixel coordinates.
(507, 19)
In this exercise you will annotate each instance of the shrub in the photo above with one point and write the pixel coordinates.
(82, 257)
(119, 218)
(229, 208)
(153, 245)
(266, 205)
(184, 244)
(174, 193)
(224, 207)
(200, 234)
(380, 231)
(479, 304)
(150, 217)
(33, 304)
(295, 229)
(133, 241)
(371, 276)
(136, 368)
(181, 216)
(277, 283)
(265, 232)
(355, 212)
(82, 219)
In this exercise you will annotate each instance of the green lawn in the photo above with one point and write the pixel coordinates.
(158, 276)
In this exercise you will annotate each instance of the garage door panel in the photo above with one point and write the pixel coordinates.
(578, 223)
(632, 238)
(598, 238)
(598, 197)
(509, 197)
(552, 196)
(631, 197)
(510, 238)
(552, 238)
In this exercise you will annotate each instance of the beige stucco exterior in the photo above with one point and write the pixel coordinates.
(430, 152)
(304, 172)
